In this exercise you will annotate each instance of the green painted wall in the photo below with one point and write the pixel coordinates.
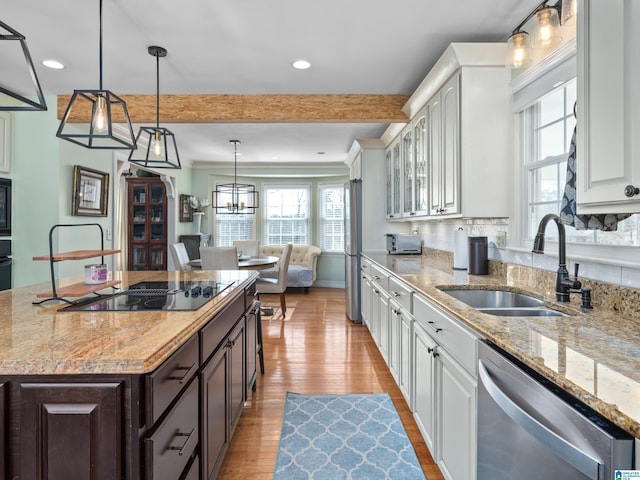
(42, 174)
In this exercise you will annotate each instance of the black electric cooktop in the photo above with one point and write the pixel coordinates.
(146, 296)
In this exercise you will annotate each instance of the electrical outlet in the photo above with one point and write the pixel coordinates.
(108, 234)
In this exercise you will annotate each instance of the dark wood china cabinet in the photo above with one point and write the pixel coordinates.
(147, 224)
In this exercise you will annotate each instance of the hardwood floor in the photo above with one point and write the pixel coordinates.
(315, 349)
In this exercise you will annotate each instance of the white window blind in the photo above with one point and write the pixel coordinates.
(286, 214)
(331, 218)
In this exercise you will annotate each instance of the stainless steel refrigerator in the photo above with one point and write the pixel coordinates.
(353, 247)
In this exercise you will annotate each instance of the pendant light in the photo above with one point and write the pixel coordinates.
(546, 27)
(161, 151)
(235, 198)
(13, 45)
(517, 49)
(95, 112)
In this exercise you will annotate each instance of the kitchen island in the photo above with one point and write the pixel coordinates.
(593, 355)
(124, 394)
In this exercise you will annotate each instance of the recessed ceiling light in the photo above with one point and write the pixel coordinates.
(274, 158)
(53, 64)
(301, 64)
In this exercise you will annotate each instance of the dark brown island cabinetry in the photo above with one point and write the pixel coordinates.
(174, 423)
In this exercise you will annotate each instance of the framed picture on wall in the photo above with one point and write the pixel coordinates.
(186, 213)
(90, 192)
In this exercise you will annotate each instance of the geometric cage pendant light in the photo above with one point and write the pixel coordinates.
(94, 113)
(16, 95)
(161, 150)
(235, 198)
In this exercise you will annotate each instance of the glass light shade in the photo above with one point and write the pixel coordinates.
(546, 31)
(161, 150)
(90, 118)
(517, 49)
(569, 10)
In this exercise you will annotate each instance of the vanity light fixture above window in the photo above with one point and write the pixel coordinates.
(545, 31)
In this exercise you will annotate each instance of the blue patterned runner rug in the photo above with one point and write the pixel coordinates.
(327, 437)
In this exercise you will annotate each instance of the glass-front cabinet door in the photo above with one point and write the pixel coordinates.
(408, 170)
(421, 172)
(393, 179)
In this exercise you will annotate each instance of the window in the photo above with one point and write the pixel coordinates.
(233, 227)
(331, 218)
(547, 126)
(286, 214)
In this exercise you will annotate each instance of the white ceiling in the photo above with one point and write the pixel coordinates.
(246, 47)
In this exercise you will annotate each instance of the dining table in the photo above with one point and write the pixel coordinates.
(244, 263)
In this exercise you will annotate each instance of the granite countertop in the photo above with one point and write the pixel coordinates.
(40, 340)
(593, 355)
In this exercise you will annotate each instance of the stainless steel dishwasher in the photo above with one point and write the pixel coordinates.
(529, 429)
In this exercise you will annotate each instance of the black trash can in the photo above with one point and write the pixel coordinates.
(478, 256)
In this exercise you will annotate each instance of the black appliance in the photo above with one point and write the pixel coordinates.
(5, 207)
(146, 296)
(5, 264)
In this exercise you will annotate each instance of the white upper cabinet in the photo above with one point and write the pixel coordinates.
(421, 201)
(608, 114)
(458, 146)
(393, 180)
(443, 133)
(408, 172)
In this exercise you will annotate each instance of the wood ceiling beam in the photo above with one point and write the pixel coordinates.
(259, 108)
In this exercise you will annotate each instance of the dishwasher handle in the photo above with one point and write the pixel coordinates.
(578, 459)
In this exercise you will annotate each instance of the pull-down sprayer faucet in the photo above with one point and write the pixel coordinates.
(564, 284)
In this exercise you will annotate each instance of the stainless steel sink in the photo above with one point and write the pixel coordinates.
(522, 312)
(503, 303)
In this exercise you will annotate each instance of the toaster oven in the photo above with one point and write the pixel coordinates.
(404, 244)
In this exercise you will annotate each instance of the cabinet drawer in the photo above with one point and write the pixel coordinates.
(380, 276)
(401, 293)
(193, 473)
(164, 384)
(169, 449)
(458, 340)
(219, 327)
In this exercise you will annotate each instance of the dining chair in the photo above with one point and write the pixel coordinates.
(180, 256)
(248, 247)
(277, 285)
(219, 258)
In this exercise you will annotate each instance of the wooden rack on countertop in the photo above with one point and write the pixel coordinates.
(76, 289)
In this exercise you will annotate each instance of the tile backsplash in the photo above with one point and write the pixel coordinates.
(439, 236)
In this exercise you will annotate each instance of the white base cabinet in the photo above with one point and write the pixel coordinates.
(445, 388)
(432, 357)
(424, 385)
(456, 402)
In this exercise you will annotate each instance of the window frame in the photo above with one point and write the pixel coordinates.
(265, 217)
(321, 220)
